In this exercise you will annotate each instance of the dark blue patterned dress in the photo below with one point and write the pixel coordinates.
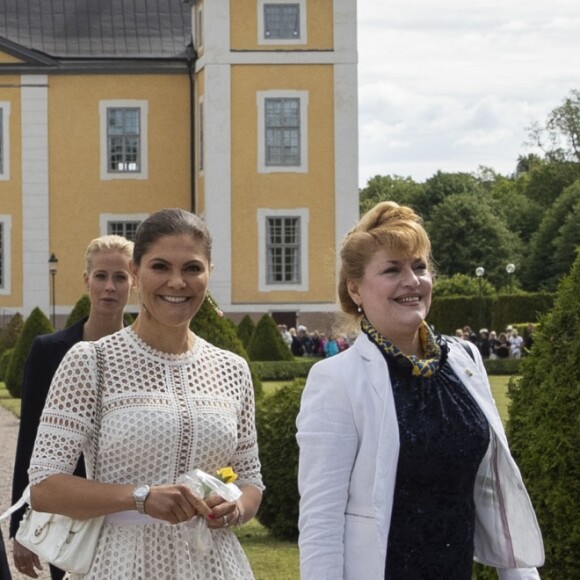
(443, 437)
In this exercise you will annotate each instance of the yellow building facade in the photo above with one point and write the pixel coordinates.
(253, 126)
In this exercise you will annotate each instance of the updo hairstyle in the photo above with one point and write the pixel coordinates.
(170, 222)
(110, 243)
(388, 226)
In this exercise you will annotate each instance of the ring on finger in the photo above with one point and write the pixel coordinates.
(226, 523)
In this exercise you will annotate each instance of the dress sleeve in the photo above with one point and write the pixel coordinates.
(67, 421)
(246, 462)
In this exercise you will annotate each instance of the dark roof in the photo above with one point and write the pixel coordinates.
(98, 28)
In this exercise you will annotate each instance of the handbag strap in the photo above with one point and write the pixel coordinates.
(98, 404)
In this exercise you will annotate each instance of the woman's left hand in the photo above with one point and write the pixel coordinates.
(223, 513)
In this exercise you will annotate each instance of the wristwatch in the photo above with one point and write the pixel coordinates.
(140, 494)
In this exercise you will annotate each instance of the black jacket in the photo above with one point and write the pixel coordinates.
(46, 353)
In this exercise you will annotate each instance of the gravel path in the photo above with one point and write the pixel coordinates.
(8, 435)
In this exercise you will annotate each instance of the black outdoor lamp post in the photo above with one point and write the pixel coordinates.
(479, 272)
(52, 262)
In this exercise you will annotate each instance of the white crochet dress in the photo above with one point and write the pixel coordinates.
(163, 415)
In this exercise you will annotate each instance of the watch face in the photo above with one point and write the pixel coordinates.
(141, 493)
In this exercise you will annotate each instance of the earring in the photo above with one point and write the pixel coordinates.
(359, 308)
(214, 305)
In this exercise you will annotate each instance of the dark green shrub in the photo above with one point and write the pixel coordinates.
(4, 362)
(505, 366)
(449, 313)
(10, 334)
(544, 428)
(283, 370)
(245, 329)
(267, 342)
(221, 332)
(276, 425)
(81, 310)
(37, 323)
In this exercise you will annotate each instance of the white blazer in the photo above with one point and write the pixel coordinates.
(349, 443)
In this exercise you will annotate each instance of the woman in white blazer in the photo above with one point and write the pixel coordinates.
(405, 471)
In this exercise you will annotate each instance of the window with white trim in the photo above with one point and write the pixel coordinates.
(123, 139)
(282, 131)
(4, 141)
(281, 22)
(283, 249)
(5, 235)
(122, 225)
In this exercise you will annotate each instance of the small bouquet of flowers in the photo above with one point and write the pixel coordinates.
(195, 532)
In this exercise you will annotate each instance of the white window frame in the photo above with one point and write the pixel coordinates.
(264, 40)
(199, 28)
(143, 106)
(106, 218)
(263, 215)
(261, 102)
(5, 137)
(6, 287)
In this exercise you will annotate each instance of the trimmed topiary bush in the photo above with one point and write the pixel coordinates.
(4, 362)
(544, 428)
(267, 342)
(245, 329)
(11, 333)
(81, 310)
(276, 425)
(37, 323)
(221, 332)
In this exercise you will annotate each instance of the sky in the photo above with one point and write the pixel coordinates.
(453, 85)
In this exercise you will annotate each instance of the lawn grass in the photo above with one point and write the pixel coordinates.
(272, 559)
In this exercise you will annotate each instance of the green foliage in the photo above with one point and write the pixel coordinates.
(521, 308)
(4, 362)
(402, 190)
(547, 181)
(466, 233)
(245, 329)
(221, 332)
(544, 428)
(283, 370)
(552, 247)
(449, 313)
(481, 572)
(267, 343)
(276, 425)
(36, 324)
(462, 285)
(10, 334)
(81, 310)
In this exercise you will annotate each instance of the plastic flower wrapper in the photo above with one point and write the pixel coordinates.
(195, 532)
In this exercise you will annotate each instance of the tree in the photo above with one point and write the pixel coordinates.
(402, 190)
(461, 285)
(544, 428)
(546, 181)
(559, 138)
(266, 343)
(10, 334)
(245, 329)
(81, 310)
(466, 233)
(36, 324)
(552, 248)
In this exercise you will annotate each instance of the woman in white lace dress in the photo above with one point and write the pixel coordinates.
(172, 402)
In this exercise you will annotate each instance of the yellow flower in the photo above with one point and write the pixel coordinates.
(226, 474)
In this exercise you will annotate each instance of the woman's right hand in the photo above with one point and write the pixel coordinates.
(25, 560)
(174, 504)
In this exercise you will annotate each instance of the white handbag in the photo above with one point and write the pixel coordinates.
(66, 543)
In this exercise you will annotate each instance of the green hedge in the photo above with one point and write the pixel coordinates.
(495, 313)
(283, 370)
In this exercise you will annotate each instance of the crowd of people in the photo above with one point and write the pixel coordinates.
(313, 344)
(507, 344)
